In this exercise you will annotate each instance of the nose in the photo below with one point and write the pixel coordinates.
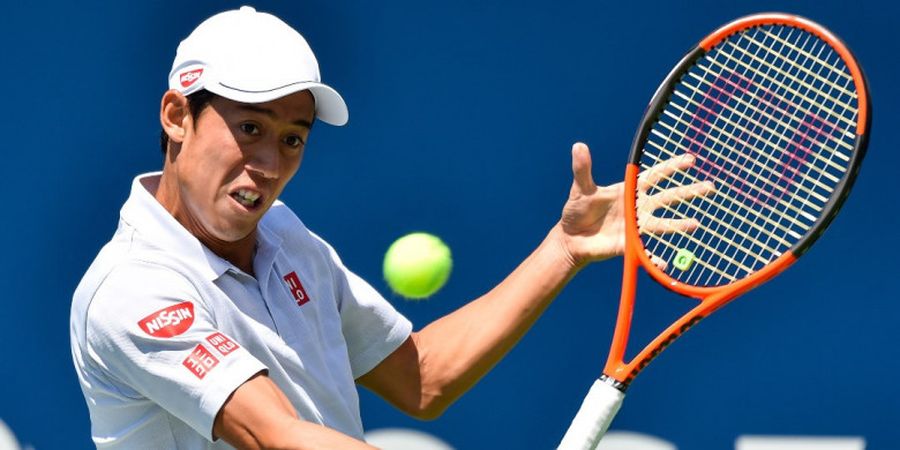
(264, 161)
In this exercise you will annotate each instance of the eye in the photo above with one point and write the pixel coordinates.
(249, 128)
(293, 141)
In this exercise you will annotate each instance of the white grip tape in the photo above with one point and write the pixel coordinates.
(596, 413)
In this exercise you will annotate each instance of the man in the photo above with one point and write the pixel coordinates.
(214, 317)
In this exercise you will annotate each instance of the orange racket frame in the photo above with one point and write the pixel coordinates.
(712, 298)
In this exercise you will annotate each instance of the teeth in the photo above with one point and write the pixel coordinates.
(249, 195)
(246, 197)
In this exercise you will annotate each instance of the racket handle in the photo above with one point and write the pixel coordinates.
(596, 413)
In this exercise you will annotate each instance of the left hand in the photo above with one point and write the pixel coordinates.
(592, 226)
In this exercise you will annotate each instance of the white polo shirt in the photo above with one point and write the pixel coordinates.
(163, 330)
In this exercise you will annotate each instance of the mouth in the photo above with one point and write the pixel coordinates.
(247, 198)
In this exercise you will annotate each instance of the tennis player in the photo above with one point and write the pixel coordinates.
(214, 317)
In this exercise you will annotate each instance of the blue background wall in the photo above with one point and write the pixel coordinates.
(462, 116)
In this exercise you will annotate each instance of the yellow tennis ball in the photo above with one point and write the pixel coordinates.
(417, 265)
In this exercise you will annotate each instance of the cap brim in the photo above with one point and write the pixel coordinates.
(330, 106)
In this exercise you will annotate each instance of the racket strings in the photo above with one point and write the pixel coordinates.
(777, 38)
(750, 246)
(829, 101)
(723, 115)
(755, 117)
(768, 183)
(823, 105)
(703, 205)
(778, 113)
(768, 116)
(779, 132)
(688, 236)
(807, 202)
(696, 210)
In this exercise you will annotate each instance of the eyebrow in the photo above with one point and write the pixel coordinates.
(271, 114)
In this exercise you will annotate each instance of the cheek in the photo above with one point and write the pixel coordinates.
(218, 160)
(290, 164)
(293, 164)
(210, 166)
(288, 169)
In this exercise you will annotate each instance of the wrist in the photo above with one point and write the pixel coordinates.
(558, 244)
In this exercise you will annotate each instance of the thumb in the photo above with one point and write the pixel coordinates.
(583, 182)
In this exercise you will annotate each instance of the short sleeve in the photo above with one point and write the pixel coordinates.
(372, 327)
(148, 328)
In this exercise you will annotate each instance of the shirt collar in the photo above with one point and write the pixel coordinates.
(268, 243)
(158, 227)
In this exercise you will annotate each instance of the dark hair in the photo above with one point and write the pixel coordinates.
(196, 102)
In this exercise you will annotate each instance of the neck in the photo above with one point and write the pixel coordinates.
(239, 252)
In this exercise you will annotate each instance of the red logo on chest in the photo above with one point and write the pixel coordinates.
(170, 321)
(293, 282)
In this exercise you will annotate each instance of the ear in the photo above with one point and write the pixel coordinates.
(174, 115)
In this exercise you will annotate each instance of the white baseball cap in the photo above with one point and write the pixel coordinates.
(252, 57)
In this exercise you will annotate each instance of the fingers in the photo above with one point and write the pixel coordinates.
(663, 170)
(647, 222)
(583, 181)
(657, 261)
(678, 194)
(657, 225)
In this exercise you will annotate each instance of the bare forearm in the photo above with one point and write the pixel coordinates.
(257, 415)
(458, 349)
(310, 436)
(296, 434)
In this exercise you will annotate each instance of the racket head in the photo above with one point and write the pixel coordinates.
(777, 186)
(776, 112)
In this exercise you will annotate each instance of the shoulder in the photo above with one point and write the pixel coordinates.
(140, 276)
(130, 261)
(134, 290)
(123, 268)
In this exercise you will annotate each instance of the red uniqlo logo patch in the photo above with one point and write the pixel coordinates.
(170, 321)
(296, 288)
(188, 78)
(200, 361)
(221, 343)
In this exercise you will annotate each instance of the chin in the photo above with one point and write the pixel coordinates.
(234, 232)
(234, 236)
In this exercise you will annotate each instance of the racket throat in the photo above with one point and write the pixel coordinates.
(659, 344)
(606, 379)
(615, 362)
(616, 369)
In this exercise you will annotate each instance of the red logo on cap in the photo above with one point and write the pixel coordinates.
(170, 321)
(188, 78)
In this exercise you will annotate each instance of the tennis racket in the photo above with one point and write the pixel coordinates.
(775, 112)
